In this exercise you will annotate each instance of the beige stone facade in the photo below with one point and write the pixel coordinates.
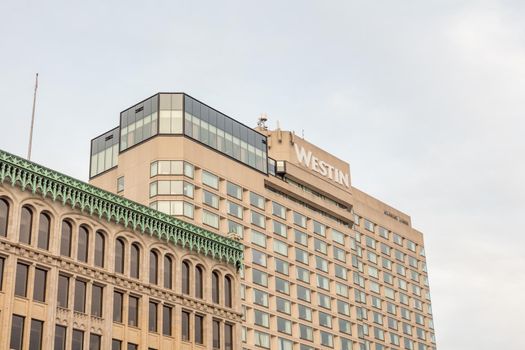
(326, 265)
(71, 279)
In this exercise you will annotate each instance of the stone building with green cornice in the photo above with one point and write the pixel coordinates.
(84, 268)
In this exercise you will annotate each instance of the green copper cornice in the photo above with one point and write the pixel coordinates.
(95, 201)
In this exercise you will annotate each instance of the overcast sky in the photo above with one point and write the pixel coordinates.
(424, 99)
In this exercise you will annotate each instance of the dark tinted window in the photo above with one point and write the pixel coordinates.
(80, 296)
(153, 309)
(2, 260)
(26, 220)
(198, 282)
(60, 337)
(185, 326)
(228, 291)
(119, 256)
(168, 272)
(228, 336)
(199, 329)
(65, 240)
(133, 311)
(100, 247)
(4, 215)
(94, 342)
(83, 243)
(39, 288)
(135, 261)
(117, 306)
(166, 320)
(63, 291)
(43, 231)
(35, 337)
(97, 300)
(78, 340)
(185, 278)
(17, 332)
(215, 287)
(216, 334)
(132, 346)
(153, 267)
(116, 344)
(21, 279)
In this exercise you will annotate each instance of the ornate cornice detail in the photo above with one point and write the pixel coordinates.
(92, 200)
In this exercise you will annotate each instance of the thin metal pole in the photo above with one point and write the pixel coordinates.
(32, 121)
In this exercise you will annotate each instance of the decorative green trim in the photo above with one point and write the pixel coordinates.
(95, 201)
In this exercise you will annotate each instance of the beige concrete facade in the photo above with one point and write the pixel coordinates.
(336, 268)
(87, 306)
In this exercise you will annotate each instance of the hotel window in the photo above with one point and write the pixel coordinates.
(327, 339)
(338, 237)
(324, 300)
(199, 329)
(167, 320)
(210, 180)
(260, 298)
(379, 334)
(261, 339)
(95, 342)
(60, 337)
(63, 291)
(303, 293)
(258, 238)
(301, 238)
(372, 257)
(185, 325)
(306, 332)
(339, 254)
(325, 319)
(370, 242)
(391, 308)
(319, 228)
(278, 210)
(153, 316)
(283, 305)
(233, 190)
(280, 247)
(22, 271)
(119, 255)
(284, 325)
(210, 199)
(377, 318)
(345, 326)
(341, 289)
(398, 239)
(383, 232)
(323, 282)
(210, 219)
(392, 323)
(320, 246)
(321, 264)
(216, 334)
(133, 311)
(80, 296)
(305, 313)
(256, 200)
(301, 256)
(302, 274)
(134, 262)
(282, 286)
(259, 258)
(281, 266)
(279, 229)
(17, 332)
(97, 300)
(376, 302)
(4, 216)
(373, 272)
(261, 318)
(360, 296)
(235, 210)
(259, 277)
(369, 225)
(299, 219)
(44, 227)
(387, 264)
(120, 184)
(385, 249)
(78, 340)
(40, 285)
(100, 248)
(26, 224)
(341, 271)
(258, 219)
(83, 244)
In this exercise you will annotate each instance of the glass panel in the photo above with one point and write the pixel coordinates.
(133, 311)
(17, 332)
(35, 337)
(96, 300)
(166, 320)
(21, 280)
(78, 340)
(63, 291)
(4, 214)
(199, 329)
(83, 244)
(168, 272)
(43, 231)
(65, 240)
(26, 221)
(39, 288)
(60, 338)
(117, 306)
(80, 296)
(99, 249)
(185, 327)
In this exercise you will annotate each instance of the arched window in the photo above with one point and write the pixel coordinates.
(215, 287)
(4, 215)
(65, 239)
(134, 264)
(228, 291)
(44, 227)
(119, 255)
(198, 282)
(83, 244)
(153, 267)
(168, 272)
(26, 221)
(100, 248)
(185, 277)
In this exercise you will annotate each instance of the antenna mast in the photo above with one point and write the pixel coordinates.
(32, 121)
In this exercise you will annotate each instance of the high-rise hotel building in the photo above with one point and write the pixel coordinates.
(81, 268)
(326, 266)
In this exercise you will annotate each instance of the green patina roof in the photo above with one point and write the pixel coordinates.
(95, 201)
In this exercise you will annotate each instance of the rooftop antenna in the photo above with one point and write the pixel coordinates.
(261, 122)
(32, 120)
